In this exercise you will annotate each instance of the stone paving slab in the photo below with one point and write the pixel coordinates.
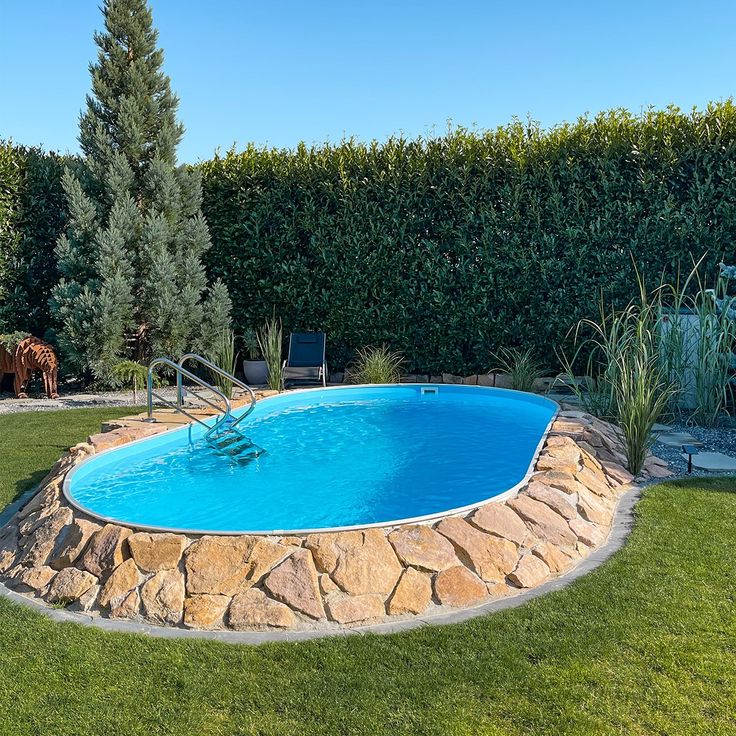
(678, 439)
(659, 428)
(713, 461)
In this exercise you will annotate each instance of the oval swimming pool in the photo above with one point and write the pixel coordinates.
(337, 457)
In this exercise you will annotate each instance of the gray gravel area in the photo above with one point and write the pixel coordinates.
(716, 439)
(10, 405)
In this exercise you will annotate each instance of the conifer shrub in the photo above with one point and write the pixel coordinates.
(132, 281)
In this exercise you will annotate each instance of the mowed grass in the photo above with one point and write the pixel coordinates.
(646, 644)
(31, 442)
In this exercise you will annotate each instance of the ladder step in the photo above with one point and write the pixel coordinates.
(225, 440)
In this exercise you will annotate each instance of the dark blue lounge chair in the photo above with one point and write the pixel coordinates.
(306, 362)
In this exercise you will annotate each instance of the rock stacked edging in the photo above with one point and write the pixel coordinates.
(51, 551)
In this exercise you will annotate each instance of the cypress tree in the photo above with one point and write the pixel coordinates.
(132, 281)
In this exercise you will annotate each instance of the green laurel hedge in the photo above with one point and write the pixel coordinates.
(32, 214)
(446, 249)
(449, 248)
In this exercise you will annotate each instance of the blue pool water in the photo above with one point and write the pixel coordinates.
(334, 457)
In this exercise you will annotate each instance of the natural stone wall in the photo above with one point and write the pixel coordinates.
(52, 551)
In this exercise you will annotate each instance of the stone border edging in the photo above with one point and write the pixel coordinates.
(263, 588)
(621, 528)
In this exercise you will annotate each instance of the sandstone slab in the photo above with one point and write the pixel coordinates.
(618, 472)
(553, 497)
(370, 566)
(128, 607)
(154, 552)
(162, 597)
(476, 549)
(546, 524)
(35, 579)
(253, 609)
(326, 584)
(459, 587)
(70, 584)
(295, 583)
(326, 548)
(501, 521)
(596, 482)
(352, 609)
(72, 544)
(589, 534)
(44, 538)
(412, 595)
(555, 559)
(564, 482)
(106, 550)
(229, 565)
(88, 601)
(594, 508)
(421, 546)
(9, 548)
(122, 580)
(205, 611)
(530, 571)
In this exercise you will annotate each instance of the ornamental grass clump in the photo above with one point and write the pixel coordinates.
(626, 379)
(521, 366)
(270, 339)
(376, 365)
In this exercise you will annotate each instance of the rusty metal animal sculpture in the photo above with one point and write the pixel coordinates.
(31, 354)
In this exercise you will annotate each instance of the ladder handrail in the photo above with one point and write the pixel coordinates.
(216, 368)
(180, 371)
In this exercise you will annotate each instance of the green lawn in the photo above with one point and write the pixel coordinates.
(646, 644)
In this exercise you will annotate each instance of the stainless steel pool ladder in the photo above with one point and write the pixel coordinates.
(223, 436)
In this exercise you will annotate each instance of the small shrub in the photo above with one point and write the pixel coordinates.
(376, 365)
(250, 345)
(521, 366)
(131, 373)
(271, 339)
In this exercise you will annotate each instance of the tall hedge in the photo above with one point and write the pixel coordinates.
(445, 248)
(32, 214)
(448, 248)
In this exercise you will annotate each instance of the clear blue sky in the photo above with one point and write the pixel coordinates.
(276, 72)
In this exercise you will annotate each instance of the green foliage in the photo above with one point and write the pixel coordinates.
(32, 213)
(224, 356)
(271, 342)
(521, 366)
(376, 365)
(443, 248)
(132, 280)
(11, 340)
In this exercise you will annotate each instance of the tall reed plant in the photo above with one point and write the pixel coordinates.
(224, 356)
(271, 340)
(697, 339)
(627, 380)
